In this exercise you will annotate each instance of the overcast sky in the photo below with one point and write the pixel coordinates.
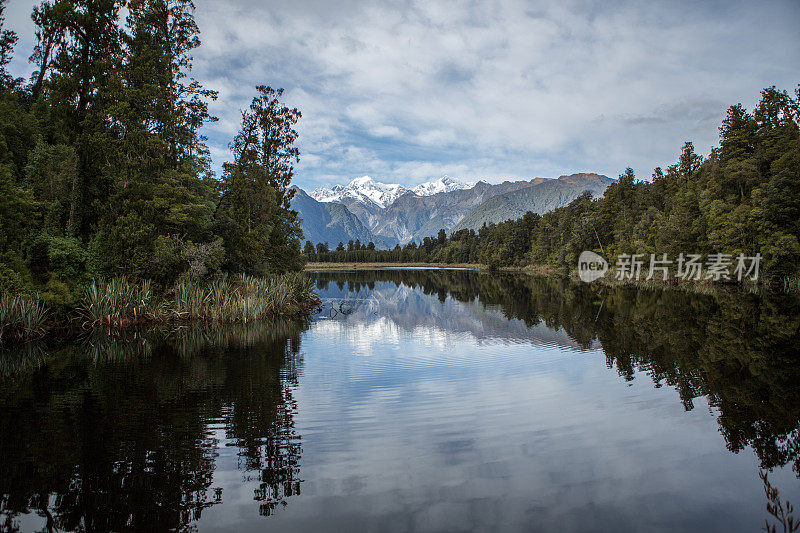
(499, 90)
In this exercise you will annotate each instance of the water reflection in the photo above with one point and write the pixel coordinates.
(462, 410)
(740, 351)
(124, 432)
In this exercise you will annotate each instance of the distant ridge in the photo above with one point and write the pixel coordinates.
(331, 222)
(539, 197)
(390, 214)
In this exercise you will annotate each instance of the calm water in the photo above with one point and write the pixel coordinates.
(419, 400)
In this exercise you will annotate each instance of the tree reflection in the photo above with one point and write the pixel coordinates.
(740, 351)
(122, 433)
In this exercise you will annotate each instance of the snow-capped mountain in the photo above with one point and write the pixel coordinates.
(443, 184)
(363, 189)
(387, 214)
(368, 191)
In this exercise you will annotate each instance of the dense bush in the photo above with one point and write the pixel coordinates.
(103, 170)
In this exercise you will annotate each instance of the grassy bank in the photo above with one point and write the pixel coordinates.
(120, 302)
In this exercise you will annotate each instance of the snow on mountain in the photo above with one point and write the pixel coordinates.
(363, 189)
(366, 190)
(443, 184)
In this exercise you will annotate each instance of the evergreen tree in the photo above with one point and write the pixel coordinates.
(163, 198)
(262, 231)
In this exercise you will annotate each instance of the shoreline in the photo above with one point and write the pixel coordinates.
(71, 325)
(121, 304)
(343, 267)
(702, 286)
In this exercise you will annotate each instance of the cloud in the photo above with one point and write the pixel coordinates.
(405, 91)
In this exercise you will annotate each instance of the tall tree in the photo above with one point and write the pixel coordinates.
(49, 19)
(83, 84)
(263, 231)
(163, 196)
(164, 100)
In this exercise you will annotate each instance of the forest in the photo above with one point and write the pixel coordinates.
(103, 168)
(742, 198)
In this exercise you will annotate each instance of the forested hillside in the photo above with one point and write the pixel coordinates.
(743, 197)
(104, 171)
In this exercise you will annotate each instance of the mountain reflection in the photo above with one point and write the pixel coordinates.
(122, 432)
(425, 308)
(740, 351)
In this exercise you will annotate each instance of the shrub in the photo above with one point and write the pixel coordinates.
(10, 280)
(204, 259)
(21, 316)
(63, 256)
(167, 263)
(57, 293)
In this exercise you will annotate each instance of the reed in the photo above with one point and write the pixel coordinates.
(244, 298)
(21, 317)
(190, 300)
(118, 302)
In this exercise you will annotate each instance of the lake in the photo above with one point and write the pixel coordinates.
(415, 400)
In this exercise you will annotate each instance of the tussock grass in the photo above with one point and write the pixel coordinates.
(21, 317)
(244, 298)
(119, 302)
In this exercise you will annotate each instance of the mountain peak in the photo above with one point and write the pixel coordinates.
(443, 184)
(363, 181)
(364, 189)
(368, 191)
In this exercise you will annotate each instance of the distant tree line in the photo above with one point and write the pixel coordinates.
(464, 246)
(743, 198)
(104, 171)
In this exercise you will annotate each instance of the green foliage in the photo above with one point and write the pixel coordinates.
(166, 262)
(203, 259)
(10, 280)
(174, 257)
(21, 317)
(58, 294)
(104, 172)
(50, 172)
(17, 209)
(262, 233)
(63, 257)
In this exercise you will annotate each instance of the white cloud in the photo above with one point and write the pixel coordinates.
(409, 90)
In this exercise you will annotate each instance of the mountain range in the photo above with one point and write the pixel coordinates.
(390, 214)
